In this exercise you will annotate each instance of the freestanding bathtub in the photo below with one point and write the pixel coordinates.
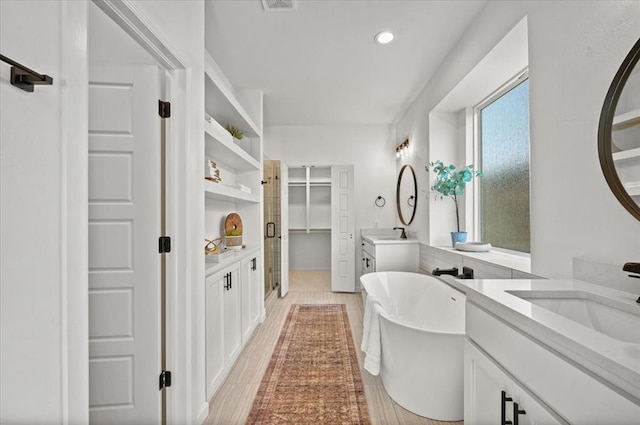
(422, 340)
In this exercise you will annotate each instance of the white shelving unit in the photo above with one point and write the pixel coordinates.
(626, 135)
(309, 199)
(628, 119)
(239, 162)
(234, 288)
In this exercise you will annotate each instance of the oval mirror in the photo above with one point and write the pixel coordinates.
(406, 194)
(619, 134)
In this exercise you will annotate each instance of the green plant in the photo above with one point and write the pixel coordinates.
(234, 232)
(237, 133)
(451, 182)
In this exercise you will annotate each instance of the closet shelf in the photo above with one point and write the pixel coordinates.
(220, 147)
(629, 154)
(222, 192)
(310, 230)
(633, 188)
(221, 102)
(313, 183)
(626, 120)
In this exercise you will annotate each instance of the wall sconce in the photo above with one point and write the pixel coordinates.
(402, 149)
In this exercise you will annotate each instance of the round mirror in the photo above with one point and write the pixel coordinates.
(406, 194)
(619, 134)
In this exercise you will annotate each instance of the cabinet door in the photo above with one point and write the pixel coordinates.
(256, 291)
(483, 386)
(214, 328)
(535, 413)
(247, 297)
(232, 317)
(490, 395)
(251, 295)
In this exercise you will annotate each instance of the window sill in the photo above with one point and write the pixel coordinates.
(508, 259)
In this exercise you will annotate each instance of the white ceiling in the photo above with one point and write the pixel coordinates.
(319, 65)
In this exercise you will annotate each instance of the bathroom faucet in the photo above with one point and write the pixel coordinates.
(404, 234)
(634, 268)
(439, 272)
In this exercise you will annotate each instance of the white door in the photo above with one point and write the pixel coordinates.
(342, 229)
(284, 229)
(124, 263)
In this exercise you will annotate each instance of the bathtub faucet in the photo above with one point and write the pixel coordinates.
(634, 269)
(404, 234)
(439, 272)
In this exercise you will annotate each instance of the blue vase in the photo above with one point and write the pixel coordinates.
(458, 237)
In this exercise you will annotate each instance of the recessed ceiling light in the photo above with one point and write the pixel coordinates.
(384, 37)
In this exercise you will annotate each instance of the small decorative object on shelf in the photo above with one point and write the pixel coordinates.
(233, 231)
(451, 182)
(214, 173)
(214, 253)
(212, 246)
(236, 133)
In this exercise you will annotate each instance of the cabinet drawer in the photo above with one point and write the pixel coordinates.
(368, 247)
(575, 395)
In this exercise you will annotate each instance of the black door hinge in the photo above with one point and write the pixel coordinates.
(165, 379)
(164, 109)
(164, 244)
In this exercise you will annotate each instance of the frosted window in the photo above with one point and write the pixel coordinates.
(504, 185)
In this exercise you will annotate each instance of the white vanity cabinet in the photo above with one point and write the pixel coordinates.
(381, 254)
(493, 397)
(233, 300)
(251, 296)
(547, 386)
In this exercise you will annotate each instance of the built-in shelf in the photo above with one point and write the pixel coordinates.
(629, 154)
(317, 183)
(632, 188)
(220, 147)
(222, 192)
(222, 104)
(310, 230)
(626, 120)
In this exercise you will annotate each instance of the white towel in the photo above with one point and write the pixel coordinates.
(371, 334)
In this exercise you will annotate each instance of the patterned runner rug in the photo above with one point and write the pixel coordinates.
(313, 375)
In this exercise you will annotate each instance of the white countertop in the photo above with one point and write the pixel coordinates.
(613, 360)
(387, 239)
(514, 261)
(238, 255)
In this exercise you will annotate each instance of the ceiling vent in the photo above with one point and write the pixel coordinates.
(278, 5)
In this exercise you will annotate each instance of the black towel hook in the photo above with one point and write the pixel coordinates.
(380, 201)
(25, 78)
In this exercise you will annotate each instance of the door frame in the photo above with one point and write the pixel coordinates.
(178, 73)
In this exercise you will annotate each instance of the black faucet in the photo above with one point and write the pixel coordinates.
(404, 234)
(439, 272)
(634, 268)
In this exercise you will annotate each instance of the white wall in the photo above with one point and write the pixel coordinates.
(575, 49)
(369, 148)
(43, 216)
(443, 128)
(43, 212)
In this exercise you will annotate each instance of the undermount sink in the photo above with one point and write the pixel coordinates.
(611, 317)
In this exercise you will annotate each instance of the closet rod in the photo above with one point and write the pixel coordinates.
(23, 77)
